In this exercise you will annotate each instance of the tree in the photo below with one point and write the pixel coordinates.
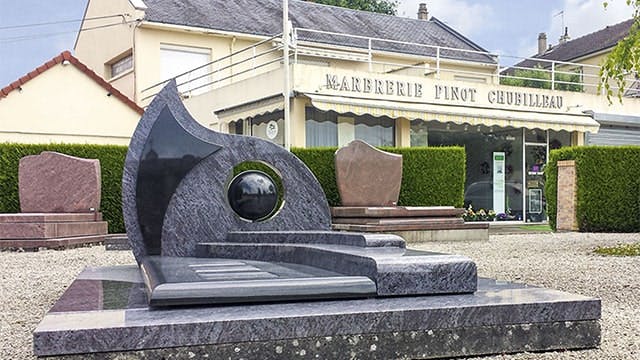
(389, 7)
(624, 59)
(540, 78)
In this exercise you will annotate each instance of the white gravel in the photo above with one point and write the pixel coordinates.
(32, 282)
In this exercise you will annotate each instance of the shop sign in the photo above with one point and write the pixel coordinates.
(443, 93)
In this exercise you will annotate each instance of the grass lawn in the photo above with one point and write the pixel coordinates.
(620, 250)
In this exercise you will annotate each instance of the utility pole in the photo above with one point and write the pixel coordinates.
(286, 91)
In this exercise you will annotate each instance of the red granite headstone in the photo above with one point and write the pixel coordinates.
(367, 176)
(57, 183)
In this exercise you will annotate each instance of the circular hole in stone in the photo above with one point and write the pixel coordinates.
(255, 193)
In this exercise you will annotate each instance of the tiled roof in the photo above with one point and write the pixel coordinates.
(66, 55)
(582, 46)
(265, 18)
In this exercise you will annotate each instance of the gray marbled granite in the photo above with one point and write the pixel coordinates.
(422, 344)
(396, 271)
(172, 281)
(316, 237)
(129, 327)
(198, 210)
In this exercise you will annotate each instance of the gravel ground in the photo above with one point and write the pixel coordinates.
(32, 282)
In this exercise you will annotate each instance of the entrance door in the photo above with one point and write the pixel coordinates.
(535, 158)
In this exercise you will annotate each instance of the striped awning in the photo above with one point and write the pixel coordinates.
(260, 107)
(455, 114)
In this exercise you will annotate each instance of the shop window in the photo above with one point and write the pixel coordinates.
(375, 131)
(176, 60)
(332, 129)
(480, 142)
(419, 133)
(269, 126)
(321, 128)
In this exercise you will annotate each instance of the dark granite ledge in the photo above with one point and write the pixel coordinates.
(316, 237)
(396, 271)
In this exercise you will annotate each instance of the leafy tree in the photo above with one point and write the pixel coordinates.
(389, 7)
(624, 59)
(540, 78)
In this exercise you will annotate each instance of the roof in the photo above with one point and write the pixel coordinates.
(66, 56)
(588, 44)
(264, 18)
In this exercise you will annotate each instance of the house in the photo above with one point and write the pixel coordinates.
(579, 60)
(347, 74)
(63, 101)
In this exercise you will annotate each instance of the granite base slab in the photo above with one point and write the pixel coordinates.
(54, 243)
(103, 315)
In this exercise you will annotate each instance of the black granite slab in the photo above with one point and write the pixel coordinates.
(514, 316)
(396, 271)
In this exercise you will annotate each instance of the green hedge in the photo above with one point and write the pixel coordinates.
(111, 165)
(431, 176)
(608, 187)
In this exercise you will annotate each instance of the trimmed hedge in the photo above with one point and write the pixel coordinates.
(431, 176)
(111, 164)
(608, 187)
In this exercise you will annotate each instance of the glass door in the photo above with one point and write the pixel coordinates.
(535, 158)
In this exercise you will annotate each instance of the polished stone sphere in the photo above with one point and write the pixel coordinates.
(253, 195)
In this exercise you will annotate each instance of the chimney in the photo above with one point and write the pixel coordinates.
(542, 43)
(423, 13)
(564, 38)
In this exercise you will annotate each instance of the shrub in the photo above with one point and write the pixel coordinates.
(111, 164)
(608, 187)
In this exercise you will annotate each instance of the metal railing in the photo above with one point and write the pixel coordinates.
(379, 55)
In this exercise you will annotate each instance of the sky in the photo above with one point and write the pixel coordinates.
(509, 28)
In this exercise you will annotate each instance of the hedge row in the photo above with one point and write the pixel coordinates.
(431, 176)
(608, 187)
(111, 163)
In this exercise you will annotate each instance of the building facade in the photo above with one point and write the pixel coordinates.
(387, 80)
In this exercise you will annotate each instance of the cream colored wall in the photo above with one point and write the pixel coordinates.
(64, 105)
(95, 47)
(150, 38)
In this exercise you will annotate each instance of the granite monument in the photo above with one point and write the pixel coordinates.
(59, 203)
(227, 266)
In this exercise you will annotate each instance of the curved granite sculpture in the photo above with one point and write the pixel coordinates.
(367, 176)
(175, 179)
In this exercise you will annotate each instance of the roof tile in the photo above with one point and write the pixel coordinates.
(66, 55)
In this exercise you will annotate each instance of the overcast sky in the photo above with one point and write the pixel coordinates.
(506, 27)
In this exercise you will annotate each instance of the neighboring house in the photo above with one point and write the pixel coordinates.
(584, 56)
(63, 101)
(353, 74)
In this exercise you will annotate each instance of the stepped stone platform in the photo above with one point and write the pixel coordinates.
(104, 315)
(414, 224)
(31, 231)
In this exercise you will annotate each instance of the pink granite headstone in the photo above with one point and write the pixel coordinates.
(57, 183)
(367, 176)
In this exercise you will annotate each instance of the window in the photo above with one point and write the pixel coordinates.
(176, 60)
(121, 65)
(333, 129)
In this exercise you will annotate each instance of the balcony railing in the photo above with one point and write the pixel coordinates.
(389, 56)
